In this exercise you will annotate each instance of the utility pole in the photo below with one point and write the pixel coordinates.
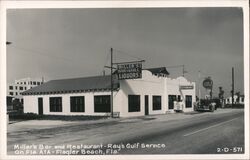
(183, 71)
(111, 80)
(232, 87)
(199, 76)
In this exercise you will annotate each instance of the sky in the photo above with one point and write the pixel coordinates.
(68, 43)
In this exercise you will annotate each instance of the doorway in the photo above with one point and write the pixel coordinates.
(40, 106)
(146, 104)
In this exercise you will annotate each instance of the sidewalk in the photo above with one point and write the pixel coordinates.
(16, 126)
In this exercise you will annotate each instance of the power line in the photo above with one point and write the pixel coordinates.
(31, 51)
(122, 53)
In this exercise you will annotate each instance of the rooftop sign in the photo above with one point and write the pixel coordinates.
(129, 70)
(208, 83)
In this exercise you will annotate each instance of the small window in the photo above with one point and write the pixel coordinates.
(34, 82)
(55, 104)
(11, 87)
(21, 88)
(21, 82)
(16, 87)
(134, 103)
(16, 93)
(24, 82)
(156, 102)
(11, 93)
(188, 101)
(25, 88)
(77, 104)
(38, 83)
(102, 103)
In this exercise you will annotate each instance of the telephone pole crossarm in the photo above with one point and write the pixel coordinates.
(129, 62)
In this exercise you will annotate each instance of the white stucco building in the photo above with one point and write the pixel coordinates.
(237, 99)
(15, 89)
(154, 93)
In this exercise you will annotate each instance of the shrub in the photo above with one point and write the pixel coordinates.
(32, 116)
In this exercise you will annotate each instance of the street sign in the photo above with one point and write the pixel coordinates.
(208, 83)
(129, 70)
(186, 87)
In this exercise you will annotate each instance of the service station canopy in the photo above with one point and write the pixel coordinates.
(129, 70)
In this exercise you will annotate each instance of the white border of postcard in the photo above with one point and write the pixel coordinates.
(5, 4)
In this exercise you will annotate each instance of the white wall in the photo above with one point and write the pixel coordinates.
(31, 103)
(149, 85)
(173, 89)
(229, 100)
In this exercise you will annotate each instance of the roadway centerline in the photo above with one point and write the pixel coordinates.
(200, 130)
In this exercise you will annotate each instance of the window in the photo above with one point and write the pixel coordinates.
(102, 103)
(171, 99)
(21, 88)
(34, 82)
(11, 87)
(38, 83)
(55, 104)
(16, 87)
(25, 88)
(156, 102)
(134, 103)
(24, 82)
(242, 99)
(188, 101)
(11, 93)
(16, 93)
(77, 104)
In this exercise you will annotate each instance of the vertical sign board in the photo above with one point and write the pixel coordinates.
(129, 71)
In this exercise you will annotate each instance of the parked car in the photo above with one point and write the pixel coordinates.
(205, 105)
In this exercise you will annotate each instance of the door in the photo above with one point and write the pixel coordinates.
(171, 99)
(146, 104)
(40, 106)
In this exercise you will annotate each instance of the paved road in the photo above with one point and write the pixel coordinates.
(222, 133)
(204, 133)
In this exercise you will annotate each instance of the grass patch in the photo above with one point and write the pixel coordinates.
(32, 116)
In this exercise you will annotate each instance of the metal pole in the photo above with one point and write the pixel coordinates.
(183, 70)
(199, 87)
(232, 87)
(111, 80)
